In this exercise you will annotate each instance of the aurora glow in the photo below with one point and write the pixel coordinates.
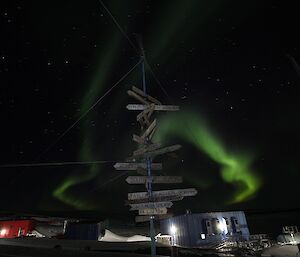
(96, 87)
(171, 24)
(104, 71)
(235, 167)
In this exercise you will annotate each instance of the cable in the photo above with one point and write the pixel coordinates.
(87, 111)
(157, 81)
(294, 63)
(119, 26)
(52, 164)
(134, 47)
(110, 180)
(106, 183)
(107, 92)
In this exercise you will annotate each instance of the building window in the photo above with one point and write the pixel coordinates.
(21, 232)
(226, 221)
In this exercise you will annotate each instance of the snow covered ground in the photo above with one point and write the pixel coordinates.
(282, 251)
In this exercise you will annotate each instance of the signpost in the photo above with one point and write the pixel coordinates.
(150, 204)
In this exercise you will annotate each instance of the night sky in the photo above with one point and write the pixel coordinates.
(230, 65)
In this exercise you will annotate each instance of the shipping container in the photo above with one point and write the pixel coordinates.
(16, 228)
(192, 230)
(83, 231)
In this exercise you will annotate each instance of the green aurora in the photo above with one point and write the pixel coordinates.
(97, 86)
(95, 89)
(235, 168)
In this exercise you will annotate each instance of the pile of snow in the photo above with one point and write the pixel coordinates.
(111, 237)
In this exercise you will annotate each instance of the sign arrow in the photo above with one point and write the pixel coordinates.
(141, 107)
(156, 211)
(150, 205)
(154, 179)
(136, 166)
(162, 193)
(156, 199)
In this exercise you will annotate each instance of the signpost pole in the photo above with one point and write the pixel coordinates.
(152, 229)
(148, 161)
(151, 205)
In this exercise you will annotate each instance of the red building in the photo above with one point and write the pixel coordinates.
(16, 228)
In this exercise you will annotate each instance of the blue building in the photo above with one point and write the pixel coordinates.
(192, 230)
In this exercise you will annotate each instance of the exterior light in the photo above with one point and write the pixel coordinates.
(293, 242)
(202, 236)
(173, 229)
(3, 232)
(223, 226)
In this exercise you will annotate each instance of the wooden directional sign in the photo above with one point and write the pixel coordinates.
(143, 153)
(150, 205)
(146, 114)
(142, 107)
(163, 193)
(156, 199)
(138, 139)
(147, 148)
(154, 179)
(156, 211)
(137, 97)
(162, 151)
(135, 166)
(140, 92)
(149, 130)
